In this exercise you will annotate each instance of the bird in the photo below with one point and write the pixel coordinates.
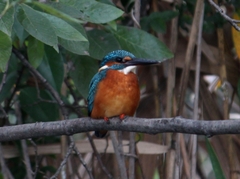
(114, 90)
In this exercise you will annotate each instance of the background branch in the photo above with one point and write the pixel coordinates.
(4, 169)
(133, 124)
(233, 22)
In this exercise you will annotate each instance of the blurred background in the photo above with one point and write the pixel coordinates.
(64, 41)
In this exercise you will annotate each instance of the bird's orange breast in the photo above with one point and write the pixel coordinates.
(116, 94)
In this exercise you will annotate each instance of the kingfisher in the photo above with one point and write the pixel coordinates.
(114, 89)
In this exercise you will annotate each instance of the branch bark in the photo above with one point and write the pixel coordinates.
(131, 124)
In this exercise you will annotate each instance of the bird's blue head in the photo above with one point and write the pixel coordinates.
(120, 59)
(116, 56)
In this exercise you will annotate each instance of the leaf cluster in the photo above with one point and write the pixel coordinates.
(63, 39)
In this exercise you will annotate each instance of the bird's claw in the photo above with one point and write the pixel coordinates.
(122, 117)
(106, 119)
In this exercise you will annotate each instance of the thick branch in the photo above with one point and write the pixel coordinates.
(144, 125)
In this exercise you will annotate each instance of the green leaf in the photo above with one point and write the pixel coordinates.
(77, 47)
(31, 102)
(214, 160)
(63, 29)
(157, 20)
(5, 49)
(158, 25)
(37, 25)
(94, 11)
(51, 68)
(165, 15)
(106, 2)
(84, 69)
(11, 78)
(141, 43)
(6, 21)
(56, 12)
(101, 43)
(71, 11)
(113, 25)
(1, 175)
(35, 52)
(56, 64)
(19, 29)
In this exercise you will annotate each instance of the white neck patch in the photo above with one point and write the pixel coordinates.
(128, 70)
(102, 68)
(125, 70)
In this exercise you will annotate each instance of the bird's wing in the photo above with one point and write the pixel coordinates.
(93, 89)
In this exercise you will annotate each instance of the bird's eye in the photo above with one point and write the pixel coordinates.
(118, 59)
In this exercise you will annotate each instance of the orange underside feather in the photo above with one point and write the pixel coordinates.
(117, 94)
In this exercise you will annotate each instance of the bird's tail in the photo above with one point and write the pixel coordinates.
(100, 134)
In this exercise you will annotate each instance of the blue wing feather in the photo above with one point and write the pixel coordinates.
(93, 88)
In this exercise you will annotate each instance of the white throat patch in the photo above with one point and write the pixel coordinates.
(125, 70)
(128, 70)
(102, 68)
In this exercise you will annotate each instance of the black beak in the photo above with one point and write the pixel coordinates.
(139, 61)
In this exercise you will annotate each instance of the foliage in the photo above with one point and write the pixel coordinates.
(214, 160)
(65, 40)
(56, 40)
(58, 37)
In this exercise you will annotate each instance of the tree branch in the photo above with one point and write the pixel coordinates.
(133, 124)
(233, 22)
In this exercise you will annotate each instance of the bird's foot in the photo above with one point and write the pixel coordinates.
(106, 119)
(122, 117)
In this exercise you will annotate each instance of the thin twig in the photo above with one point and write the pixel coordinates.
(98, 156)
(36, 157)
(24, 144)
(120, 149)
(170, 160)
(5, 171)
(38, 92)
(82, 160)
(20, 75)
(4, 77)
(135, 20)
(233, 22)
(185, 158)
(5, 116)
(132, 149)
(70, 168)
(64, 161)
(43, 80)
(196, 91)
(189, 54)
(119, 155)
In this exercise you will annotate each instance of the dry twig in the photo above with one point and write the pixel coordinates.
(64, 161)
(4, 169)
(119, 155)
(24, 145)
(233, 22)
(196, 99)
